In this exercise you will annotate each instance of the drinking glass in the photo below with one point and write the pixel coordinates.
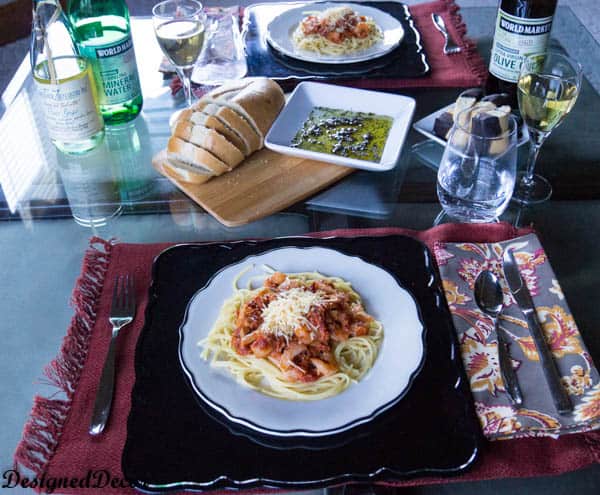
(179, 26)
(223, 57)
(477, 173)
(549, 84)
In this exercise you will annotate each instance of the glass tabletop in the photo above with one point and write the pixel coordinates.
(51, 203)
(117, 178)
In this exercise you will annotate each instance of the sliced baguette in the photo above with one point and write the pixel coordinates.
(219, 125)
(234, 120)
(212, 141)
(259, 102)
(183, 172)
(186, 155)
(238, 109)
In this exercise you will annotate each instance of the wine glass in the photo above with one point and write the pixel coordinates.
(476, 176)
(179, 26)
(549, 84)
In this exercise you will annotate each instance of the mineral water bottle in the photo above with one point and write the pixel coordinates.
(102, 33)
(64, 82)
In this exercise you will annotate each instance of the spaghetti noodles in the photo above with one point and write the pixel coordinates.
(336, 31)
(301, 336)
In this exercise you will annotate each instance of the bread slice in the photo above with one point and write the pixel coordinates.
(183, 172)
(216, 123)
(212, 141)
(187, 155)
(233, 119)
(261, 101)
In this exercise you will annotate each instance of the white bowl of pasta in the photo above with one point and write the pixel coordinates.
(334, 33)
(365, 373)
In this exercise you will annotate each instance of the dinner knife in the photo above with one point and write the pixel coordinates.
(506, 368)
(521, 293)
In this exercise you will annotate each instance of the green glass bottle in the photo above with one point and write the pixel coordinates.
(103, 35)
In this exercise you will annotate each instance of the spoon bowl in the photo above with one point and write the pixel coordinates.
(488, 293)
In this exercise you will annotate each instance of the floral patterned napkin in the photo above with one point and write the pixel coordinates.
(459, 265)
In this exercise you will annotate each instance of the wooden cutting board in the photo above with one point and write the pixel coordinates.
(266, 183)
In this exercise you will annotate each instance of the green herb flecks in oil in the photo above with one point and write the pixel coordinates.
(345, 133)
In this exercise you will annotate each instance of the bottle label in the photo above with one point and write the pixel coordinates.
(115, 70)
(515, 38)
(69, 108)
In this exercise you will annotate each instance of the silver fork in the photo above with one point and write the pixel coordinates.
(122, 313)
(449, 46)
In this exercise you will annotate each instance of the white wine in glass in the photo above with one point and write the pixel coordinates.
(181, 41)
(180, 26)
(547, 90)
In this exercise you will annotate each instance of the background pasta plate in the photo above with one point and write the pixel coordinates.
(400, 355)
(280, 29)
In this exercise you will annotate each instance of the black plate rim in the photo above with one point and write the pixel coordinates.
(426, 68)
(377, 475)
(300, 433)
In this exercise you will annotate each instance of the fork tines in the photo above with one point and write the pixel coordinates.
(123, 300)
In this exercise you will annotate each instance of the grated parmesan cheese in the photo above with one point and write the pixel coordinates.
(288, 312)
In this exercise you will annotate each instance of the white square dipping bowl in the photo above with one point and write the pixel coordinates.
(309, 95)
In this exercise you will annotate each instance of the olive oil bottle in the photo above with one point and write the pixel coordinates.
(102, 33)
(522, 28)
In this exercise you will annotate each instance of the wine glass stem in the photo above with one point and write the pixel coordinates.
(537, 139)
(185, 74)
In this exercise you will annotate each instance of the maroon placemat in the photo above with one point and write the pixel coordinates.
(57, 448)
(460, 70)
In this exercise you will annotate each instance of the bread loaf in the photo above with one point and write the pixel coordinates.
(222, 128)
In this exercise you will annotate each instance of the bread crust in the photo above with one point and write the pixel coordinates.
(234, 120)
(182, 174)
(230, 87)
(262, 100)
(213, 122)
(196, 157)
(210, 140)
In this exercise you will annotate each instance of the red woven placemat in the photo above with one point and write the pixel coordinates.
(56, 445)
(461, 70)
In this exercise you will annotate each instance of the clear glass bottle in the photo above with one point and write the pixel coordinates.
(102, 32)
(64, 82)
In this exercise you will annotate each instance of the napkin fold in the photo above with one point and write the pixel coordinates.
(459, 265)
(56, 445)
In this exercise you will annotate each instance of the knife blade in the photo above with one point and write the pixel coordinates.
(509, 377)
(521, 293)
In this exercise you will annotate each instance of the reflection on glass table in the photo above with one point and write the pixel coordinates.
(91, 187)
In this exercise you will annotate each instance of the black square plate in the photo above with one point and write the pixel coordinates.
(406, 61)
(173, 442)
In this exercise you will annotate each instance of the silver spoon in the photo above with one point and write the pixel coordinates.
(488, 296)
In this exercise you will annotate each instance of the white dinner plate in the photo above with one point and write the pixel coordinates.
(308, 95)
(280, 29)
(400, 355)
(425, 127)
